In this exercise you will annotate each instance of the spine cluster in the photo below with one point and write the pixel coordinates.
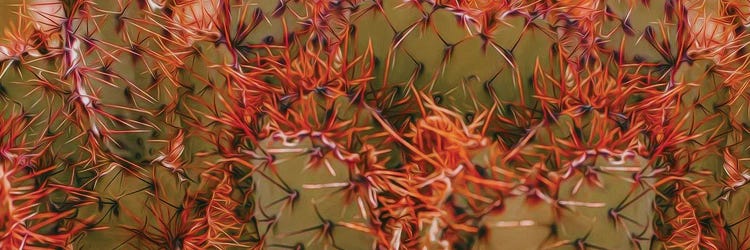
(375, 124)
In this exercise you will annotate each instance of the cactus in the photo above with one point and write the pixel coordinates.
(374, 124)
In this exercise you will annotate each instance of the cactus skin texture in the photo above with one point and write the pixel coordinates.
(374, 124)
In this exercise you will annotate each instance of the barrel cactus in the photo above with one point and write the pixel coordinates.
(374, 124)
